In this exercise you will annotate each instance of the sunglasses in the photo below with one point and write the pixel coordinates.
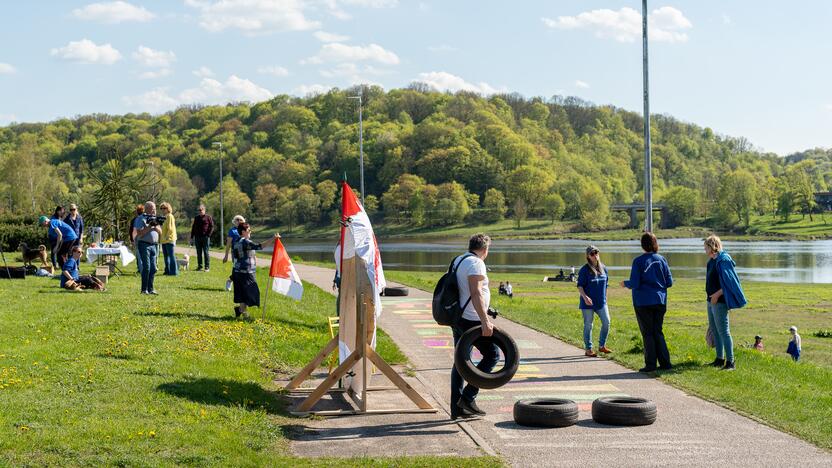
(593, 253)
(72, 209)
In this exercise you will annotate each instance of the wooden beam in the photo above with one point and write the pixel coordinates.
(310, 368)
(397, 379)
(330, 380)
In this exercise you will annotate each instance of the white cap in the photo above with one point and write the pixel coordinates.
(792, 328)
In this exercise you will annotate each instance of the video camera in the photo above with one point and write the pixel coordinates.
(493, 312)
(154, 220)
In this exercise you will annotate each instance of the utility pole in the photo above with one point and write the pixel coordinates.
(218, 144)
(648, 176)
(360, 142)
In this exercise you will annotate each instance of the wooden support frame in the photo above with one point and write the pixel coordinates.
(362, 355)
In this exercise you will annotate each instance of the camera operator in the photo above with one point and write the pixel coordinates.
(148, 229)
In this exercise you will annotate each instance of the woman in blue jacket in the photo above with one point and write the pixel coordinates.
(724, 292)
(649, 279)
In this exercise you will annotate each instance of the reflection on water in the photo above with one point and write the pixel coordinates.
(790, 262)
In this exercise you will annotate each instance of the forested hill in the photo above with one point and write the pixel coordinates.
(430, 158)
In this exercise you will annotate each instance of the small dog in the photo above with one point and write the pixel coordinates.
(32, 254)
(184, 262)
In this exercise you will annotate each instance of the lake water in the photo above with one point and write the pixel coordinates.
(789, 262)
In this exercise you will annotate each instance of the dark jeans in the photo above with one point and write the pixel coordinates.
(148, 253)
(63, 252)
(203, 256)
(490, 355)
(53, 257)
(171, 268)
(650, 319)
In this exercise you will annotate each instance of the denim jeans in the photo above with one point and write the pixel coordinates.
(203, 256)
(138, 259)
(589, 316)
(650, 321)
(718, 320)
(490, 355)
(171, 268)
(148, 253)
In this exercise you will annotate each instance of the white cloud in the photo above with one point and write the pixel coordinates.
(304, 90)
(371, 3)
(203, 72)
(7, 69)
(209, 91)
(581, 84)
(330, 37)
(828, 107)
(153, 58)
(153, 74)
(337, 52)
(273, 70)
(444, 81)
(253, 16)
(86, 51)
(355, 74)
(726, 19)
(112, 12)
(6, 119)
(665, 24)
(442, 48)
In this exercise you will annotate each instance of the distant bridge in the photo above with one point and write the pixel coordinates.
(634, 208)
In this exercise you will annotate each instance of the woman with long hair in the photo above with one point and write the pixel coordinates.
(649, 279)
(593, 279)
(246, 291)
(724, 293)
(168, 240)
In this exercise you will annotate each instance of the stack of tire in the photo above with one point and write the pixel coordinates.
(612, 411)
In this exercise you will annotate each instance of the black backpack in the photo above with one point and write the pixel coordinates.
(446, 308)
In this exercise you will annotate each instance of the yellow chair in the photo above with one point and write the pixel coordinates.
(334, 324)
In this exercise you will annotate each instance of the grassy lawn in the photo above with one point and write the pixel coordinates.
(798, 226)
(794, 397)
(118, 378)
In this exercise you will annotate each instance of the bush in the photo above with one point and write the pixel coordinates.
(823, 333)
(20, 220)
(12, 235)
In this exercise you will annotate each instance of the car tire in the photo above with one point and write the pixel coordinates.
(624, 411)
(546, 412)
(392, 291)
(476, 377)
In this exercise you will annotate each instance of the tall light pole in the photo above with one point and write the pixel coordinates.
(360, 143)
(218, 145)
(648, 176)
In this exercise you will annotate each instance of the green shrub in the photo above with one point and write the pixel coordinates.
(12, 235)
(823, 333)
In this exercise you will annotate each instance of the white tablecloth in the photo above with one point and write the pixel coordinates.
(122, 252)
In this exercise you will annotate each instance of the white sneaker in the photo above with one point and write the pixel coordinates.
(228, 285)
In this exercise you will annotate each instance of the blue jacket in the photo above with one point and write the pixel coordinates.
(730, 282)
(594, 286)
(649, 279)
(77, 225)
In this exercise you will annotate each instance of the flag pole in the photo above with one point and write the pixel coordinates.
(265, 299)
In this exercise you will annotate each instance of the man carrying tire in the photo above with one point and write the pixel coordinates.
(471, 276)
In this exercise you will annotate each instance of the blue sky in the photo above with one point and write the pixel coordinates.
(758, 69)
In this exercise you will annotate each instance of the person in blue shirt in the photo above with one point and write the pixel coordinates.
(64, 237)
(230, 240)
(57, 214)
(649, 279)
(70, 279)
(593, 279)
(75, 220)
(724, 293)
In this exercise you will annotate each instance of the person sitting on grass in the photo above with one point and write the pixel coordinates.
(502, 289)
(246, 291)
(509, 290)
(794, 344)
(758, 343)
(70, 279)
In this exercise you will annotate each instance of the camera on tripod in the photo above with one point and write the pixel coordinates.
(153, 221)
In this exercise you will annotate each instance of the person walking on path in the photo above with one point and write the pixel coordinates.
(649, 279)
(147, 236)
(201, 230)
(724, 293)
(472, 278)
(230, 240)
(593, 279)
(246, 291)
(139, 214)
(168, 240)
(795, 347)
(75, 220)
(63, 235)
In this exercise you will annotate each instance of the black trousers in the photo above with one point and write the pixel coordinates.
(650, 320)
(490, 356)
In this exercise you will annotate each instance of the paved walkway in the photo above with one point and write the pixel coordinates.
(689, 431)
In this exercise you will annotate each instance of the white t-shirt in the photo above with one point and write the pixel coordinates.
(471, 266)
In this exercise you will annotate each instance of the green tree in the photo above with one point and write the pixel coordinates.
(236, 202)
(530, 184)
(115, 195)
(520, 211)
(494, 205)
(737, 196)
(553, 206)
(681, 204)
(594, 209)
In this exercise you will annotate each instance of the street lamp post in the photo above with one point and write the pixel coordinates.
(218, 145)
(648, 176)
(360, 144)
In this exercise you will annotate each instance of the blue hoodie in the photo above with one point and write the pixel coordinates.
(649, 279)
(730, 282)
